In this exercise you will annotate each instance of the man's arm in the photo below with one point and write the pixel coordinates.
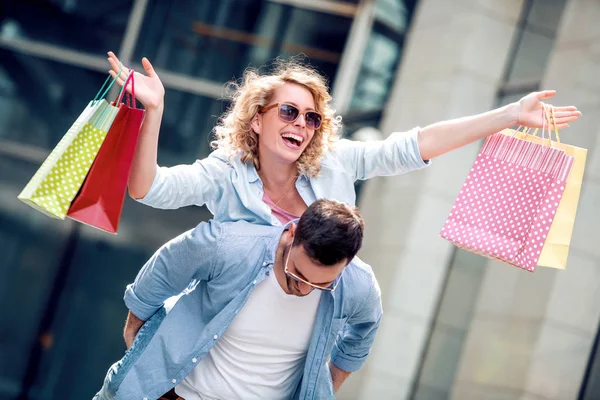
(183, 260)
(132, 326)
(338, 376)
(354, 341)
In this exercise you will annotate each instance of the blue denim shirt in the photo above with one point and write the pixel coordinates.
(233, 191)
(217, 266)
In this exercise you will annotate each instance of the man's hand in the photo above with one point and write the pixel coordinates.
(338, 376)
(132, 326)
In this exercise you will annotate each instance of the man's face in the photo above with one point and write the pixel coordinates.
(305, 275)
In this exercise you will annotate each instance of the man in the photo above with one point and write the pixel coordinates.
(265, 312)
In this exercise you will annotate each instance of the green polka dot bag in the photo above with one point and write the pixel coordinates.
(56, 183)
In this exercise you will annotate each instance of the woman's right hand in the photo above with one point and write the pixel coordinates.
(149, 90)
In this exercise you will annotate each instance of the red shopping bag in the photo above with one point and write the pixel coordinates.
(100, 201)
(508, 201)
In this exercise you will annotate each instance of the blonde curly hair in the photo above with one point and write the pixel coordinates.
(235, 134)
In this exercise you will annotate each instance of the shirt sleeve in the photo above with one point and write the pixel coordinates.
(397, 154)
(191, 184)
(354, 341)
(176, 266)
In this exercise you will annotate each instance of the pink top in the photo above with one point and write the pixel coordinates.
(283, 216)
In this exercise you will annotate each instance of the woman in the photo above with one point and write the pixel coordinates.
(277, 148)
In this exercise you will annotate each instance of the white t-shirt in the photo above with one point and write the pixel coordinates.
(262, 353)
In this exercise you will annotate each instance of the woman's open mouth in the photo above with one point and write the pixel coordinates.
(292, 140)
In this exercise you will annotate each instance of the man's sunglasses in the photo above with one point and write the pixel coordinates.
(331, 287)
(290, 113)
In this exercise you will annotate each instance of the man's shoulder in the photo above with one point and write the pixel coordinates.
(361, 274)
(232, 235)
(360, 287)
(365, 269)
(244, 229)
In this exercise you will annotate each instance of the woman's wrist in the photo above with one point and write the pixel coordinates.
(511, 114)
(156, 108)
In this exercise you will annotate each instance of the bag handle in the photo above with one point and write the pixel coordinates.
(100, 97)
(551, 118)
(548, 120)
(131, 99)
(100, 118)
(525, 132)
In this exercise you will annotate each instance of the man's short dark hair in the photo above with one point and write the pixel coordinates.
(330, 231)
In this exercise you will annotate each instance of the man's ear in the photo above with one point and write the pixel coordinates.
(256, 124)
(292, 231)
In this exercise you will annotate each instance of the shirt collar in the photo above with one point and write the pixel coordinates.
(252, 174)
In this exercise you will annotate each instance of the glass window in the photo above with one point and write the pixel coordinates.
(40, 99)
(531, 57)
(186, 129)
(442, 359)
(88, 305)
(536, 43)
(590, 385)
(393, 12)
(377, 73)
(31, 245)
(218, 40)
(91, 309)
(87, 25)
(545, 15)
(382, 55)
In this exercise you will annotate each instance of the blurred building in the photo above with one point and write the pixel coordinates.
(456, 326)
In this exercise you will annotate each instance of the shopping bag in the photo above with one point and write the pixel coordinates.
(556, 248)
(100, 201)
(57, 181)
(507, 204)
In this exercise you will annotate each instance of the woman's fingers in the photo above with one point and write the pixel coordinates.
(545, 94)
(115, 64)
(565, 120)
(563, 114)
(119, 80)
(561, 109)
(148, 67)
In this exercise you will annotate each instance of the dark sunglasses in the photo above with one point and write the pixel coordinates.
(331, 287)
(290, 113)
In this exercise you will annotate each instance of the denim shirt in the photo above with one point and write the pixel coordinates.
(217, 266)
(233, 191)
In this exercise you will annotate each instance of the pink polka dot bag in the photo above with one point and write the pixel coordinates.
(507, 204)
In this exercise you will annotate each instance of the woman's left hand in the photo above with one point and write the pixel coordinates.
(530, 112)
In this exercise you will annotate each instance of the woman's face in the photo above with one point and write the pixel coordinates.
(285, 141)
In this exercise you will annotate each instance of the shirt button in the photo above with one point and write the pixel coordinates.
(194, 360)
(264, 263)
(145, 398)
(254, 283)
(215, 337)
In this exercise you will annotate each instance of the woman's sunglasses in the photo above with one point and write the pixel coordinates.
(290, 113)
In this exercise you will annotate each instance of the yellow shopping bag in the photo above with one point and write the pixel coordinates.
(556, 248)
(56, 183)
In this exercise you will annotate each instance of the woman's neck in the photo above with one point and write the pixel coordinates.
(275, 174)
